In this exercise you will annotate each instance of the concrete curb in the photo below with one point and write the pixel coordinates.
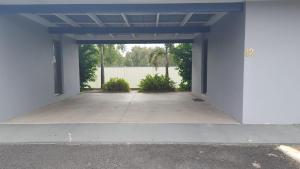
(150, 134)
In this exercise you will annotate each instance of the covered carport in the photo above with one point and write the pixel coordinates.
(245, 67)
(235, 66)
(75, 24)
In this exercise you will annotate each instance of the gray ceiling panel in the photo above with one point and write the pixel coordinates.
(171, 17)
(193, 24)
(80, 18)
(116, 25)
(89, 25)
(111, 18)
(169, 24)
(141, 18)
(200, 17)
(144, 25)
(64, 25)
(52, 18)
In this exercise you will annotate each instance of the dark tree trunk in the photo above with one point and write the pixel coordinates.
(102, 66)
(167, 62)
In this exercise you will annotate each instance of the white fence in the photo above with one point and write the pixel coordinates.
(133, 74)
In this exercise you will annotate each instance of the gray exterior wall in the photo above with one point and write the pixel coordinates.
(70, 67)
(196, 67)
(26, 70)
(272, 76)
(226, 64)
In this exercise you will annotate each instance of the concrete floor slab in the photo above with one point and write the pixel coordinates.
(176, 107)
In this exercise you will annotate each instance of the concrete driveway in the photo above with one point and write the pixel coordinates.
(127, 108)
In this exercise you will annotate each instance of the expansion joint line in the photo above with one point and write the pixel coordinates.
(126, 109)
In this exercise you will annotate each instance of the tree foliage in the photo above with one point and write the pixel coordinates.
(160, 55)
(88, 61)
(138, 56)
(156, 56)
(183, 58)
(112, 54)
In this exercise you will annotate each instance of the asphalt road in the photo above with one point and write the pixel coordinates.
(170, 156)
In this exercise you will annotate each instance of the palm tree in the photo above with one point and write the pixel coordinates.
(106, 51)
(168, 46)
(101, 49)
(159, 53)
(155, 56)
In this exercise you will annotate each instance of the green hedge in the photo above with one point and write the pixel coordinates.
(156, 83)
(116, 85)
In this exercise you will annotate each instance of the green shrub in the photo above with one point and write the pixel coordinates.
(184, 86)
(116, 85)
(156, 83)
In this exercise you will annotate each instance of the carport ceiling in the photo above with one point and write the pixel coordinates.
(124, 22)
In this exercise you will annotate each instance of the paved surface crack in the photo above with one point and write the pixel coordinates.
(126, 109)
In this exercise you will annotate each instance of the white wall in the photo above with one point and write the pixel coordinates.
(26, 71)
(272, 76)
(196, 67)
(225, 64)
(134, 75)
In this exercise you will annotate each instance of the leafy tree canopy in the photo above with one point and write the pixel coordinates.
(112, 55)
(156, 56)
(88, 61)
(138, 56)
(183, 58)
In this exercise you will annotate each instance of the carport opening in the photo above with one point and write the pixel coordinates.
(94, 105)
(111, 25)
(133, 62)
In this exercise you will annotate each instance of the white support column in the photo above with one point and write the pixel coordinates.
(197, 67)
